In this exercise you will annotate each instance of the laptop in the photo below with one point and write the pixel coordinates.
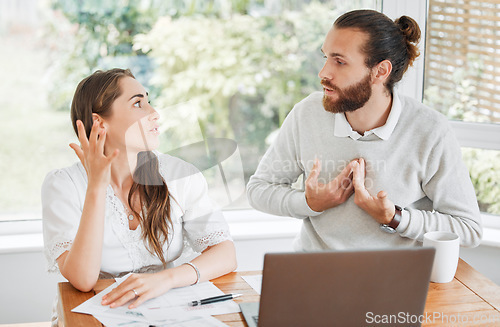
(343, 288)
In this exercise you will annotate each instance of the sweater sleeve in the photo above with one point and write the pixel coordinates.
(447, 184)
(270, 188)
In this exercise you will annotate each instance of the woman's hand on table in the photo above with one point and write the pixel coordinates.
(146, 286)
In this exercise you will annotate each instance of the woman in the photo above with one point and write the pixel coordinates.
(124, 208)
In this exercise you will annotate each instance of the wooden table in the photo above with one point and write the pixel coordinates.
(470, 299)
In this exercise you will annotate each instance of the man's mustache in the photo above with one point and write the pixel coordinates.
(329, 85)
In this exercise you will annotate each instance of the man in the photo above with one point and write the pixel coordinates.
(380, 169)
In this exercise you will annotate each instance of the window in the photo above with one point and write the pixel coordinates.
(222, 73)
(462, 76)
(462, 80)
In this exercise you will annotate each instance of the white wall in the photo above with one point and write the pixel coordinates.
(27, 290)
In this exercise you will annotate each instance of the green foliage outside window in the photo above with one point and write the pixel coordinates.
(46, 57)
(234, 74)
(235, 68)
(237, 74)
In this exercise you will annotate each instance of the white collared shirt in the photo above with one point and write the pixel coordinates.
(344, 129)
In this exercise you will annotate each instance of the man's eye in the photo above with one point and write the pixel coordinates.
(340, 62)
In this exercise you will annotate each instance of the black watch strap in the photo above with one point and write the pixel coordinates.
(397, 217)
(394, 223)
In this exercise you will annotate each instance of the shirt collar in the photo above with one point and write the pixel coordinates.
(343, 128)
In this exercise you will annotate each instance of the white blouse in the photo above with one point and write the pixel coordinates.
(194, 218)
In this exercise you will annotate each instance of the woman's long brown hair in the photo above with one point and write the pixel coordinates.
(96, 94)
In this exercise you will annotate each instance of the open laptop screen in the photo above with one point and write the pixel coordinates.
(345, 288)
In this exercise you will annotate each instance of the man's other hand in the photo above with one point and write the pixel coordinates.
(379, 207)
(321, 196)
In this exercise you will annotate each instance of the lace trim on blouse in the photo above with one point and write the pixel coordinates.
(130, 239)
(53, 252)
(204, 241)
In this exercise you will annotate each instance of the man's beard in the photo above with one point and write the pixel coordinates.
(349, 99)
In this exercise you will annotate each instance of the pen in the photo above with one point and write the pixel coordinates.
(214, 299)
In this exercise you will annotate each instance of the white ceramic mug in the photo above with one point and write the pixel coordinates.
(447, 247)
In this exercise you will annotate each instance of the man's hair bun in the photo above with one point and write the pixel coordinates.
(411, 32)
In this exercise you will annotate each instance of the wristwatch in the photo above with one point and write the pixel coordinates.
(391, 227)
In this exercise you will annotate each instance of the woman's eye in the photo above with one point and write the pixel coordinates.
(137, 104)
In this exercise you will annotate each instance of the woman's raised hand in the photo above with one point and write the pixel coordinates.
(91, 154)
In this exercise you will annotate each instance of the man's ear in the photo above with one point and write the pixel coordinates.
(382, 71)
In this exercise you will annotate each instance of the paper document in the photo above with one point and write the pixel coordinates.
(176, 301)
(255, 281)
(170, 309)
(191, 321)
